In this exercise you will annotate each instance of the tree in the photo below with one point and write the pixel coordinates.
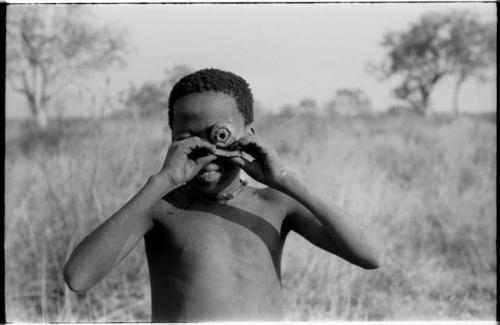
(439, 45)
(148, 100)
(152, 97)
(175, 73)
(350, 102)
(308, 105)
(471, 49)
(49, 46)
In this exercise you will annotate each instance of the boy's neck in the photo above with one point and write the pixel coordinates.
(226, 194)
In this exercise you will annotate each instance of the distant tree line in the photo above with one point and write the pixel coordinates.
(51, 46)
(346, 101)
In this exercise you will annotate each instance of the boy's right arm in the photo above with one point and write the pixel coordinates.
(107, 245)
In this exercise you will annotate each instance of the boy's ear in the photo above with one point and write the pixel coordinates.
(249, 130)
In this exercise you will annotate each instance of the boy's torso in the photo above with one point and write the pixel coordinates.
(212, 261)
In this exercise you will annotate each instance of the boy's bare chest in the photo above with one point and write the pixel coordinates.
(223, 259)
(218, 237)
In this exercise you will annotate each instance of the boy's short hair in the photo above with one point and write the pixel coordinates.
(214, 80)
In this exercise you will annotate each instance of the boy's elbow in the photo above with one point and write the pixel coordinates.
(372, 261)
(365, 261)
(371, 264)
(73, 282)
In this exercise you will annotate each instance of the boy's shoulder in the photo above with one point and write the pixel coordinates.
(271, 197)
(169, 204)
(269, 194)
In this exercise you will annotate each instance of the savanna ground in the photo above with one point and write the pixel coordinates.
(426, 186)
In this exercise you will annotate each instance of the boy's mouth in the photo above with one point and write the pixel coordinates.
(211, 167)
(209, 173)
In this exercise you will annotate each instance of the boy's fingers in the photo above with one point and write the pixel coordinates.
(199, 143)
(192, 141)
(252, 145)
(251, 138)
(240, 162)
(202, 161)
(195, 143)
(227, 153)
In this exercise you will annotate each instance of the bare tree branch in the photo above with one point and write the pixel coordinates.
(46, 44)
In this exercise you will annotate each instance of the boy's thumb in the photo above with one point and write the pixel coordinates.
(205, 160)
(240, 162)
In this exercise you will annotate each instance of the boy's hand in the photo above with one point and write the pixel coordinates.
(182, 163)
(266, 167)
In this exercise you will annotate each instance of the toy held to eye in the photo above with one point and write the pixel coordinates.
(223, 138)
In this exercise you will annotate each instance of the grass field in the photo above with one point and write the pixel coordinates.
(426, 186)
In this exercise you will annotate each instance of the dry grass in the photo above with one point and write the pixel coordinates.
(427, 187)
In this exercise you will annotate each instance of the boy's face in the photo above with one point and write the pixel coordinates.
(194, 115)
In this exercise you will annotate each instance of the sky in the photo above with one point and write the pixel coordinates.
(287, 52)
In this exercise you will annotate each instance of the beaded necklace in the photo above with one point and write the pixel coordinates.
(219, 197)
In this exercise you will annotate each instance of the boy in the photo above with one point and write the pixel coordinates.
(213, 244)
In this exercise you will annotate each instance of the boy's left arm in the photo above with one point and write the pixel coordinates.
(323, 224)
(328, 226)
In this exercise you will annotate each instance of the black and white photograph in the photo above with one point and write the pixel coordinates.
(215, 162)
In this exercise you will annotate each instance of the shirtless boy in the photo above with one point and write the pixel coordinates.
(213, 244)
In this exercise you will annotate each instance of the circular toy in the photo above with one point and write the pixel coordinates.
(225, 141)
(222, 136)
